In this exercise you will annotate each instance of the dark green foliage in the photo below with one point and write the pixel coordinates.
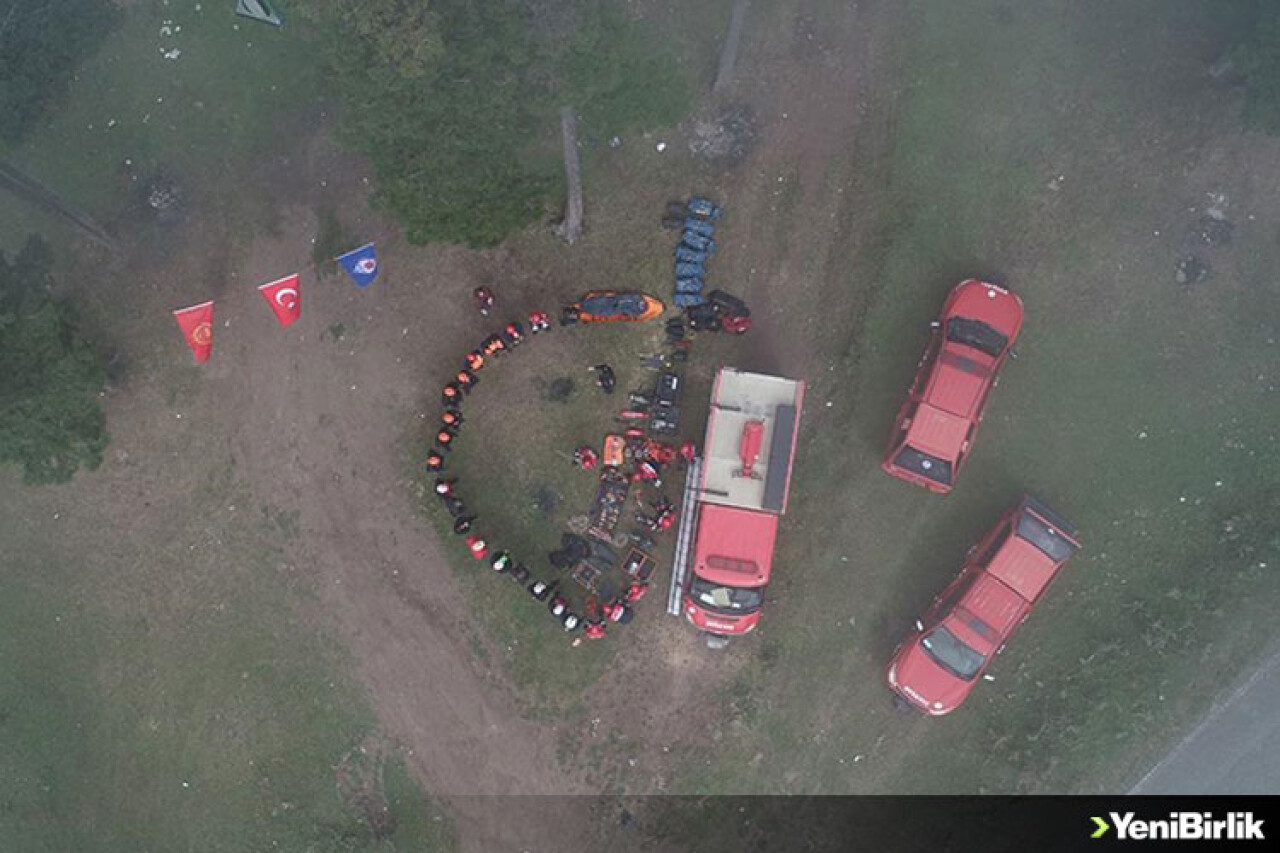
(462, 129)
(40, 46)
(619, 77)
(50, 420)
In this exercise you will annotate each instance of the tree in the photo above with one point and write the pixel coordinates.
(50, 420)
(41, 44)
(455, 102)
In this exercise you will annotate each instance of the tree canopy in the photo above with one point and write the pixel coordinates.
(455, 102)
(51, 422)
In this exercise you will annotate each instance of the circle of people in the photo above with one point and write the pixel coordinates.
(452, 395)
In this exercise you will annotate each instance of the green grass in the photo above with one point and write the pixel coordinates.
(175, 696)
(234, 92)
(1163, 606)
(515, 453)
(516, 443)
(175, 699)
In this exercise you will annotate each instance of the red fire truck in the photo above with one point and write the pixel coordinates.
(735, 494)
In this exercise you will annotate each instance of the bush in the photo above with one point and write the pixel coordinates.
(50, 419)
(457, 107)
(41, 44)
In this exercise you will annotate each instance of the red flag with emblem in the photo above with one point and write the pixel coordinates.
(197, 326)
(285, 297)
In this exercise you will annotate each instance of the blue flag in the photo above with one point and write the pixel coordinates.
(361, 264)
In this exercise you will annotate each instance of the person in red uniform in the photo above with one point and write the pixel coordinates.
(474, 360)
(483, 298)
(493, 345)
(477, 546)
(585, 458)
(513, 334)
(636, 591)
(688, 451)
(539, 321)
(736, 325)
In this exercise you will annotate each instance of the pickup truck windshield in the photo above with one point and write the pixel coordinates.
(976, 334)
(730, 599)
(951, 654)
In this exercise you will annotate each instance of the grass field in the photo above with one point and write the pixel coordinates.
(1138, 408)
(177, 700)
(1027, 146)
(234, 91)
(181, 697)
(186, 694)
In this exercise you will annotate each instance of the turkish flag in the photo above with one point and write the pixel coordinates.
(197, 327)
(285, 298)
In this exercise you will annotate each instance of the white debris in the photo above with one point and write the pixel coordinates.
(1142, 434)
(661, 146)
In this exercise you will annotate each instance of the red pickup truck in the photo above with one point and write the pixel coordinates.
(935, 427)
(1003, 577)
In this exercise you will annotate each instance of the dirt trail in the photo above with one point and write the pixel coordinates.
(320, 434)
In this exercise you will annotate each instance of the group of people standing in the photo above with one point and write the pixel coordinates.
(452, 396)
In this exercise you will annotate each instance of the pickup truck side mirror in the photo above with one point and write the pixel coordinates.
(919, 625)
(935, 325)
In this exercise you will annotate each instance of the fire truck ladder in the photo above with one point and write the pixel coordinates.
(685, 536)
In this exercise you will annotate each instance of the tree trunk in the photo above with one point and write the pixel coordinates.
(571, 228)
(729, 53)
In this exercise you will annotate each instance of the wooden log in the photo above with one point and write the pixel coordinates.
(729, 53)
(571, 228)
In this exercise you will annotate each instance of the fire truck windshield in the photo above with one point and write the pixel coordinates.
(730, 599)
